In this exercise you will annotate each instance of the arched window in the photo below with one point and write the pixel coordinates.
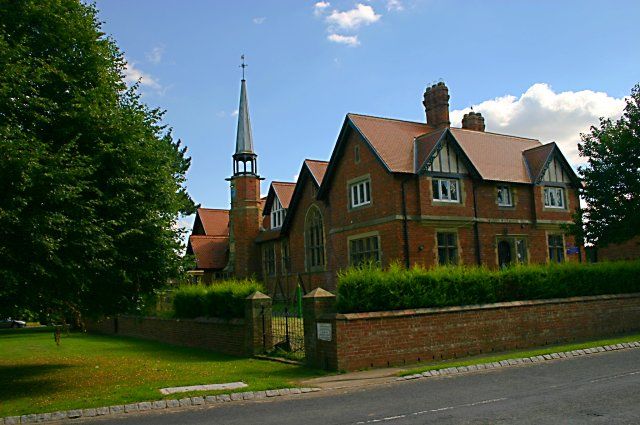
(314, 239)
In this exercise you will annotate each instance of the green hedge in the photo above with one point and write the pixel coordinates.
(222, 299)
(372, 289)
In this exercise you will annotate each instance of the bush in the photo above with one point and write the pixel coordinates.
(370, 288)
(222, 299)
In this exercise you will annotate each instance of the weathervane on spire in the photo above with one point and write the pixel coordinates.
(243, 66)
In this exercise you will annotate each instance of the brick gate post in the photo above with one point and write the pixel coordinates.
(320, 345)
(257, 317)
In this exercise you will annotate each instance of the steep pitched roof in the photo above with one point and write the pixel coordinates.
(318, 169)
(209, 240)
(311, 169)
(539, 158)
(496, 156)
(211, 252)
(284, 191)
(536, 158)
(214, 221)
(391, 139)
(424, 146)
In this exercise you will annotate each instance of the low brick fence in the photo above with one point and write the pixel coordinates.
(380, 339)
(238, 337)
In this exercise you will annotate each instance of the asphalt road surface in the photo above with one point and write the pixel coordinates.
(596, 389)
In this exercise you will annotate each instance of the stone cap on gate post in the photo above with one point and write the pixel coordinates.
(258, 323)
(319, 301)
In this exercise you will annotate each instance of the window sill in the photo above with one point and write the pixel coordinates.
(360, 207)
(436, 202)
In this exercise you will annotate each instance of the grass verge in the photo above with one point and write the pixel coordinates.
(86, 371)
(520, 354)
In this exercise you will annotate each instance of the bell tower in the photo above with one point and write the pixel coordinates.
(245, 215)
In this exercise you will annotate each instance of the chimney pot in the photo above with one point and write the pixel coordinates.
(473, 121)
(436, 105)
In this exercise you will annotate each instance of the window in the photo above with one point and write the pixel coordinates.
(512, 249)
(554, 197)
(269, 259)
(314, 239)
(447, 248)
(556, 248)
(286, 259)
(360, 193)
(363, 250)
(356, 154)
(504, 196)
(277, 213)
(446, 190)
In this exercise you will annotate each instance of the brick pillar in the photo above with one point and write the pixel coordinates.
(257, 316)
(319, 314)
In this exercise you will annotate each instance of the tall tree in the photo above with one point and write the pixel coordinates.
(91, 181)
(612, 177)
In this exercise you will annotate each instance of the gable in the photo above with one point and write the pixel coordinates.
(211, 222)
(547, 164)
(556, 172)
(280, 191)
(446, 158)
(306, 177)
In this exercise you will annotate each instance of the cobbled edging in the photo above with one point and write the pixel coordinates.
(152, 405)
(520, 361)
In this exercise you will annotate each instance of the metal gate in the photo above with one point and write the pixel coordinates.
(287, 333)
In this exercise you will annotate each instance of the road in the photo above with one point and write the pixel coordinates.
(596, 389)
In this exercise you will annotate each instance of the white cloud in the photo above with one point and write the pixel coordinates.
(295, 177)
(320, 7)
(155, 55)
(234, 113)
(395, 5)
(354, 18)
(349, 40)
(132, 75)
(259, 20)
(546, 115)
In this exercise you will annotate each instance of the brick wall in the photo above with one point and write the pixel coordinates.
(628, 250)
(382, 339)
(238, 337)
(219, 335)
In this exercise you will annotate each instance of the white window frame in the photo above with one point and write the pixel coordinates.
(559, 191)
(277, 213)
(505, 190)
(360, 193)
(439, 183)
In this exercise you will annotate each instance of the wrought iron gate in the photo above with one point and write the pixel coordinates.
(287, 334)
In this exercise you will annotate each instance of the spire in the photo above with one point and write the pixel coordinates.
(244, 140)
(244, 159)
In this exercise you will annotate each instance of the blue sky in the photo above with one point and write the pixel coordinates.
(543, 69)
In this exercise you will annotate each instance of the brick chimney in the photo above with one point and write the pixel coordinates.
(473, 121)
(436, 105)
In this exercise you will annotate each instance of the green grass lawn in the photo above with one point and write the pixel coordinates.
(520, 354)
(93, 370)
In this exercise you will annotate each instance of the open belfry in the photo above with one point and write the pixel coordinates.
(393, 191)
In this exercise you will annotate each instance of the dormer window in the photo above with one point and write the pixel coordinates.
(277, 213)
(504, 196)
(446, 190)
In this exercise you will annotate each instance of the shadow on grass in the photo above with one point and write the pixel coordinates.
(21, 332)
(28, 380)
(163, 351)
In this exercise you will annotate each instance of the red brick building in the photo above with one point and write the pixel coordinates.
(398, 191)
